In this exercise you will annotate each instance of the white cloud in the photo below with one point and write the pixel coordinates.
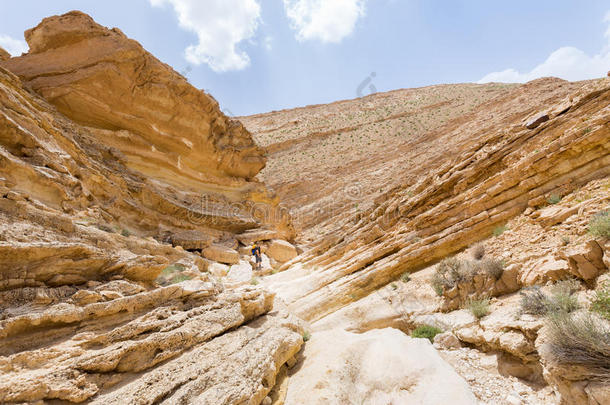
(220, 26)
(268, 43)
(13, 46)
(323, 20)
(566, 62)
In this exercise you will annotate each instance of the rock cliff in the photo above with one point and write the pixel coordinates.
(116, 175)
(491, 171)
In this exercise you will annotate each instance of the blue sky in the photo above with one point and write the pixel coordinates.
(261, 55)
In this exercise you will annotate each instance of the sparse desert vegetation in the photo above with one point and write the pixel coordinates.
(580, 339)
(426, 332)
(599, 225)
(478, 307)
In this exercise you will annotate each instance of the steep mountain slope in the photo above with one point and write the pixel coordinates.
(483, 172)
(328, 161)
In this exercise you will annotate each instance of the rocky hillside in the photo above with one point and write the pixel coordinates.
(328, 161)
(541, 150)
(499, 166)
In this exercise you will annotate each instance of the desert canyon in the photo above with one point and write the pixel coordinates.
(440, 245)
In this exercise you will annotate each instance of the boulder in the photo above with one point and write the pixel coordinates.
(537, 120)
(546, 269)
(191, 240)
(381, 366)
(221, 254)
(509, 281)
(447, 340)
(240, 273)
(586, 260)
(218, 269)
(281, 250)
(555, 214)
(256, 235)
(446, 321)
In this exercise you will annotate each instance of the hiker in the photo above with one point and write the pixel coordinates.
(256, 251)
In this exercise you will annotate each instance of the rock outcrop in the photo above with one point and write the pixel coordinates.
(382, 366)
(165, 127)
(4, 55)
(152, 123)
(183, 340)
(79, 192)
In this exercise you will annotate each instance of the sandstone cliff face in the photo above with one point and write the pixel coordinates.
(166, 128)
(482, 174)
(491, 171)
(112, 184)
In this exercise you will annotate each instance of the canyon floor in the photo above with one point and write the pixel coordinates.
(445, 244)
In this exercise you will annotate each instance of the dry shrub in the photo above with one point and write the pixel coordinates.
(477, 251)
(533, 301)
(493, 267)
(479, 308)
(562, 299)
(452, 271)
(580, 339)
(449, 273)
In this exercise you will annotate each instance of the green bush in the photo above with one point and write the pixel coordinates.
(499, 230)
(479, 308)
(599, 225)
(601, 302)
(179, 278)
(406, 277)
(125, 233)
(306, 336)
(426, 331)
(580, 339)
(172, 268)
(554, 199)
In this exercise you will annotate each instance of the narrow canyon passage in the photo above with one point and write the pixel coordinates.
(444, 244)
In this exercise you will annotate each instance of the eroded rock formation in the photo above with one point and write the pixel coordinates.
(496, 172)
(112, 185)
